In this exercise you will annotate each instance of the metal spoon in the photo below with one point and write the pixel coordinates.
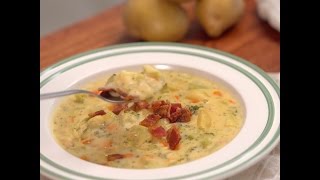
(105, 96)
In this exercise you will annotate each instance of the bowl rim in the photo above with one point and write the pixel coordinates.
(274, 141)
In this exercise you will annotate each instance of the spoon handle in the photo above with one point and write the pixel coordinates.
(109, 99)
(62, 93)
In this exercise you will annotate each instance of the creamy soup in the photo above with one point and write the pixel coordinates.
(176, 118)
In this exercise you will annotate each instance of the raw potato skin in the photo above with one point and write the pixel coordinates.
(155, 20)
(216, 16)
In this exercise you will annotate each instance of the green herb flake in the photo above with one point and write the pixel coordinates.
(189, 137)
(194, 108)
(204, 144)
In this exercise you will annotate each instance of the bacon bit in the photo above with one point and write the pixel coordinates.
(175, 115)
(231, 101)
(157, 104)
(86, 141)
(217, 93)
(174, 107)
(163, 111)
(113, 157)
(173, 137)
(117, 108)
(158, 132)
(84, 157)
(185, 115)
(98, 113)
(137, 106)
(172, 111)
(150, 120)
(175, 112)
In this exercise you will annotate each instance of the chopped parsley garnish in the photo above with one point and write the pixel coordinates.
(194, 108)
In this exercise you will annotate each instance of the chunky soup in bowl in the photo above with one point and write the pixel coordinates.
(172, 118)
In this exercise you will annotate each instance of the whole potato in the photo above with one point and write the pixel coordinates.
(155, 20)
(216, 16)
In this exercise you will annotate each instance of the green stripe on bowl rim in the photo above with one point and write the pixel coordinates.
(254, 79)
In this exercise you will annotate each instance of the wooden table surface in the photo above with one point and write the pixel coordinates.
(251, 39)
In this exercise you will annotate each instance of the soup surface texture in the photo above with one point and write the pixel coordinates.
(179, 117)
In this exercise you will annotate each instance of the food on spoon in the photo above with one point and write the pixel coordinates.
(155, 20)
(179, 117)
(136, 85)
(216, 16)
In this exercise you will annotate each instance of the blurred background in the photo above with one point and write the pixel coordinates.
(75, 26)
(56, 14)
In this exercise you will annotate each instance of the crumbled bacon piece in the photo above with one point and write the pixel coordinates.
(98, 113)
(174, 107)
(185, 115)
(150, 120)
(173, 137)
(156, 105)
(158, 131)
(113, 157)
(163, 111)
(137, 106)
(175, 116)
(174, 113)
(117, 108)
